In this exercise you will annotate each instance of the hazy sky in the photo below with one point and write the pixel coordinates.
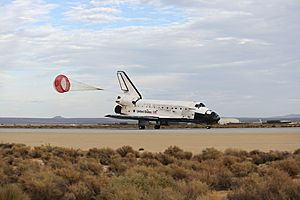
(241, 58)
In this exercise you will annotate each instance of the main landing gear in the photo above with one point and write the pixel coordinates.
(142, 125)
(156, 126)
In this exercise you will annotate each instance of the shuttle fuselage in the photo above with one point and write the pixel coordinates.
(132, 106)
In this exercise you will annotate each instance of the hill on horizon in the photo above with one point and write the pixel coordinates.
(288, 116)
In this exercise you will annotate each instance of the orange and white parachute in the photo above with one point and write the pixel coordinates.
(63, 84)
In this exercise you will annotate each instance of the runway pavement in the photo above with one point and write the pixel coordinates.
(195, 140)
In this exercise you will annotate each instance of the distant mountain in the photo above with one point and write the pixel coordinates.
(58, 117)
(290, 116)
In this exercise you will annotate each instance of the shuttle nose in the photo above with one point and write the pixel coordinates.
(209, 117)
(215, 117)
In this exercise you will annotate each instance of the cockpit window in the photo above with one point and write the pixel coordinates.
(199, 105)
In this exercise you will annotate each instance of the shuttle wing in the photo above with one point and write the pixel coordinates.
(148, 118)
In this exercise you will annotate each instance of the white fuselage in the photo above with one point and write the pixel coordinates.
(161, 109)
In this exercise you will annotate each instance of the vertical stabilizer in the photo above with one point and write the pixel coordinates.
(127, 86)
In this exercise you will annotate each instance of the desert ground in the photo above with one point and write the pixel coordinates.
(190, 170)
(194, 140)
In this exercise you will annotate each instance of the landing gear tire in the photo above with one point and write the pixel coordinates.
(142, 127)
(156, 126)
(208, 127)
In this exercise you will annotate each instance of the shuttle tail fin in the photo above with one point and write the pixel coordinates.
(127, 86)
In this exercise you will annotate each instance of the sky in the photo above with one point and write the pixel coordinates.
(240, 57)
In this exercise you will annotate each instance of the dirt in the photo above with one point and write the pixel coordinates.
(157, 141)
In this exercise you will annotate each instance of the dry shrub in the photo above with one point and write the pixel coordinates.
(4, 179)
(95, 183)
(241, 154)
(297, 152)
(117, 167)
(215, 195)
(69, 174)
(57, 163)
(189, 164)
(7, 152)
(149, 162)
(168, 194)
(12, 192)
(148, 155)
(36, 152)
(297, 159)
(242, 169)
(66, 153)
(90, 165)
(79, 191)
(153, 177)
(23, 166)
(6, 145)
(215, 174)
(177, 173)
(173, 150)
(21, 150)
(15, 167)
(42, 152)
(7, 171)
(265, 170)
(105, 155)
(229, 160)
(124, 150)
(277, 185)
(178, 153)
(210, 154)
(137, 185)
(43, 185)
(259, 157)
(15, 150)
(130, 159)
(69, 196)
(290, 166)
(192, 189)
(164, 158)
(119, 192)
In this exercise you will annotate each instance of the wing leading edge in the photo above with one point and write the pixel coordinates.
(147, 118)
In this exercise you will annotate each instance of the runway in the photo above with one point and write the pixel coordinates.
(194, 140)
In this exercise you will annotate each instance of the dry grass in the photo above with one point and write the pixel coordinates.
(48, 172)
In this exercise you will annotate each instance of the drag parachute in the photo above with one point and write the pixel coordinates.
(63, 84)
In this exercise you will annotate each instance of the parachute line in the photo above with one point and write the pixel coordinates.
(63, 84)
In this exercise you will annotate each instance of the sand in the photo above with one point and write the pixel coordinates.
(158, 140)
